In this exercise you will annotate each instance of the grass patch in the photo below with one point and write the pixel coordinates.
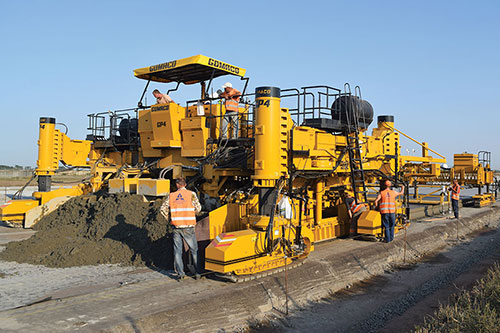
(476, 310)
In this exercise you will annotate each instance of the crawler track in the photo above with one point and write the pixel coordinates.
(244, 278)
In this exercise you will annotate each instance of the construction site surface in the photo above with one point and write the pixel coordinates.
(130, 299)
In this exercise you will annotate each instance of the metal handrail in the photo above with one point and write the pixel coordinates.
(100, 129)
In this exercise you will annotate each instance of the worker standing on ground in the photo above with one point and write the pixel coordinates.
(455, 196)
(162, 98)
(183, 206)
(232, 97)
(355, 211)
(387, 199)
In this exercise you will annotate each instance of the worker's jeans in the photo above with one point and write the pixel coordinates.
(454, 205)
(189, 236)
(389, 221)
(231, 117)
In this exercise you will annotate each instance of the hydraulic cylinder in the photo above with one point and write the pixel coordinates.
(48, 161)
(267, 136)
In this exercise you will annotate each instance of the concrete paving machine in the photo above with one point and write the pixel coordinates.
(270, 191)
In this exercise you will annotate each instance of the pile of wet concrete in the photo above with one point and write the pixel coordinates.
(98, 229)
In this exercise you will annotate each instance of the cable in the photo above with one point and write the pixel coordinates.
(19, 192)
(63, 124)
(146, 166)
(270, 226)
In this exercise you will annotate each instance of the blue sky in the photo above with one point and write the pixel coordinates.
(434, 65)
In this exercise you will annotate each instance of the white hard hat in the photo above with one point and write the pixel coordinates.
(227, 85)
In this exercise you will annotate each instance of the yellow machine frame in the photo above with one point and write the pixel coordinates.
(280, 154)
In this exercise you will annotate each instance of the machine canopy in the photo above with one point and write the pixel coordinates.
(190, 70)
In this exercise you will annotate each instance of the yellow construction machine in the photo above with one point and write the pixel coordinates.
(134, 150)
(470, 170)
(270, 191)
(54, 147)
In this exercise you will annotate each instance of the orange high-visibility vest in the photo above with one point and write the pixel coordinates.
(355, 208)
(388, 201)
(455, 194)
(232, 105)
(181, 208)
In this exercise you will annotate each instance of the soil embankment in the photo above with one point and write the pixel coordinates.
(98, 229)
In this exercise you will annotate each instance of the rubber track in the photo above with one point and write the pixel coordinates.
(244, 278)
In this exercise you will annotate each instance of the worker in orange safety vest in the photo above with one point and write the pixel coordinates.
(355, 211)
(232, 97)
(387, 208)
(183, 206)
(455, 196)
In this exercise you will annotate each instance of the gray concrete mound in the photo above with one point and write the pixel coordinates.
(98, 229)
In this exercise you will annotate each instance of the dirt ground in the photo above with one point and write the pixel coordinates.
(323, 293)
(400, 298)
